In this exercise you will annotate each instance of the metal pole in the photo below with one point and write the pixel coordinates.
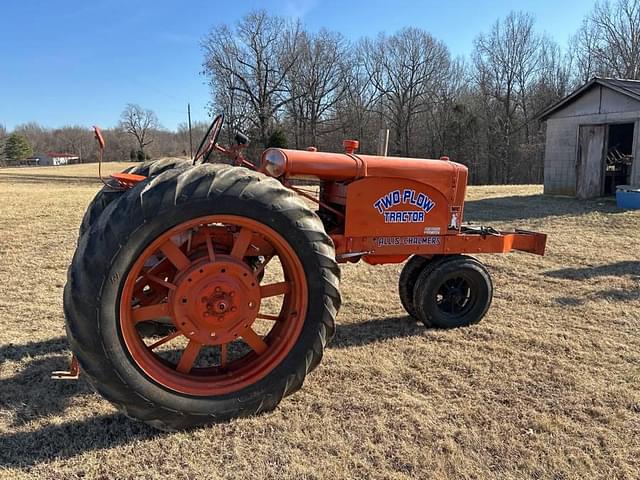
(383, 142)
(190, 138)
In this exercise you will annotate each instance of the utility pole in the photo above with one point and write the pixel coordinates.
(190, 138)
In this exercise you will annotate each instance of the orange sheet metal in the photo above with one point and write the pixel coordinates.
(343, 166)
(128, 180)
(531, 242)
(394, 249)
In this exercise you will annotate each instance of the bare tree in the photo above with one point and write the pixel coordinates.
(355, 108)
(72, 139)
(442, 123)
(583, 48)
(617, 33)
(315, 83)
(37, 136)
(140, 124)
(257, 56)
(198, 131)
(507, 61)
(405, 68)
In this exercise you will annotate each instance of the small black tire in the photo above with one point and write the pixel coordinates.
(111, 246)
(409, 278)
(407, 281)
(453, 293)
(108, 194)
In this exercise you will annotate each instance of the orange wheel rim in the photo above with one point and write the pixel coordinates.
(203, 279)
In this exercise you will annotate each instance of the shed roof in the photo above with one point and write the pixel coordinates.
(60, 154)
(630, 88)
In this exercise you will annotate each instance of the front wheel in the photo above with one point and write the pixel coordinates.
(407, 282)
(191, 248)
(454, 293)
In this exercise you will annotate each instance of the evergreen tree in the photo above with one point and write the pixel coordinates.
(17, 148)
(277, 139)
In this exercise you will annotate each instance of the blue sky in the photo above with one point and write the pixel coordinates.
(79, 62)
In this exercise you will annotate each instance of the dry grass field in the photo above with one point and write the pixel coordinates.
(546, 386)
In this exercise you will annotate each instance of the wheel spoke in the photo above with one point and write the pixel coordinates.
(189, 240)
(241, 243)
(254, 340)
(160, 270)
(263, 265)
(160, 281)
(264, 316)
(210, 250)
(189, 355)
(175, 255)
(274, 289)
(164, 340)
(151, 312)
(452, 307)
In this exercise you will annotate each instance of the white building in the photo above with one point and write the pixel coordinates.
(52, 159)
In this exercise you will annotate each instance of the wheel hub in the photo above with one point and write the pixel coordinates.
(214, 302)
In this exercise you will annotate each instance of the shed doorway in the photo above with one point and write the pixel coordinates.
(605, 158)
(619, 157)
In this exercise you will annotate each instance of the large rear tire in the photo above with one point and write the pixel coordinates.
(207, 224)
(108, 194)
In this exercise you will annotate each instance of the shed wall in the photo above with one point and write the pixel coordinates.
(560, 156)
(562, 145)
(598, 100)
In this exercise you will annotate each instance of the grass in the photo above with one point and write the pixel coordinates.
(546, 386)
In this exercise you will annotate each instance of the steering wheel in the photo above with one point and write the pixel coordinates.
(209, 141)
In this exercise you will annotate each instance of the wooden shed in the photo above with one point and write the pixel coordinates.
(593, 137)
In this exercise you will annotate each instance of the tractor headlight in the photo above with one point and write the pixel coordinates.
(274, 162)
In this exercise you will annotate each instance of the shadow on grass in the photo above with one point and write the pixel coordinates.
(51, 442)
(49, 178)
(357, 334)
(32, 395)
(629, 268)
(624, 268)
(15, 352)
(527, 207)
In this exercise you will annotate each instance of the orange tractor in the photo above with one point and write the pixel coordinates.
(200, 292)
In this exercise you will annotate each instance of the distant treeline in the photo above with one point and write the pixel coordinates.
(270, 74)
(120, 145)
(283, 84)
